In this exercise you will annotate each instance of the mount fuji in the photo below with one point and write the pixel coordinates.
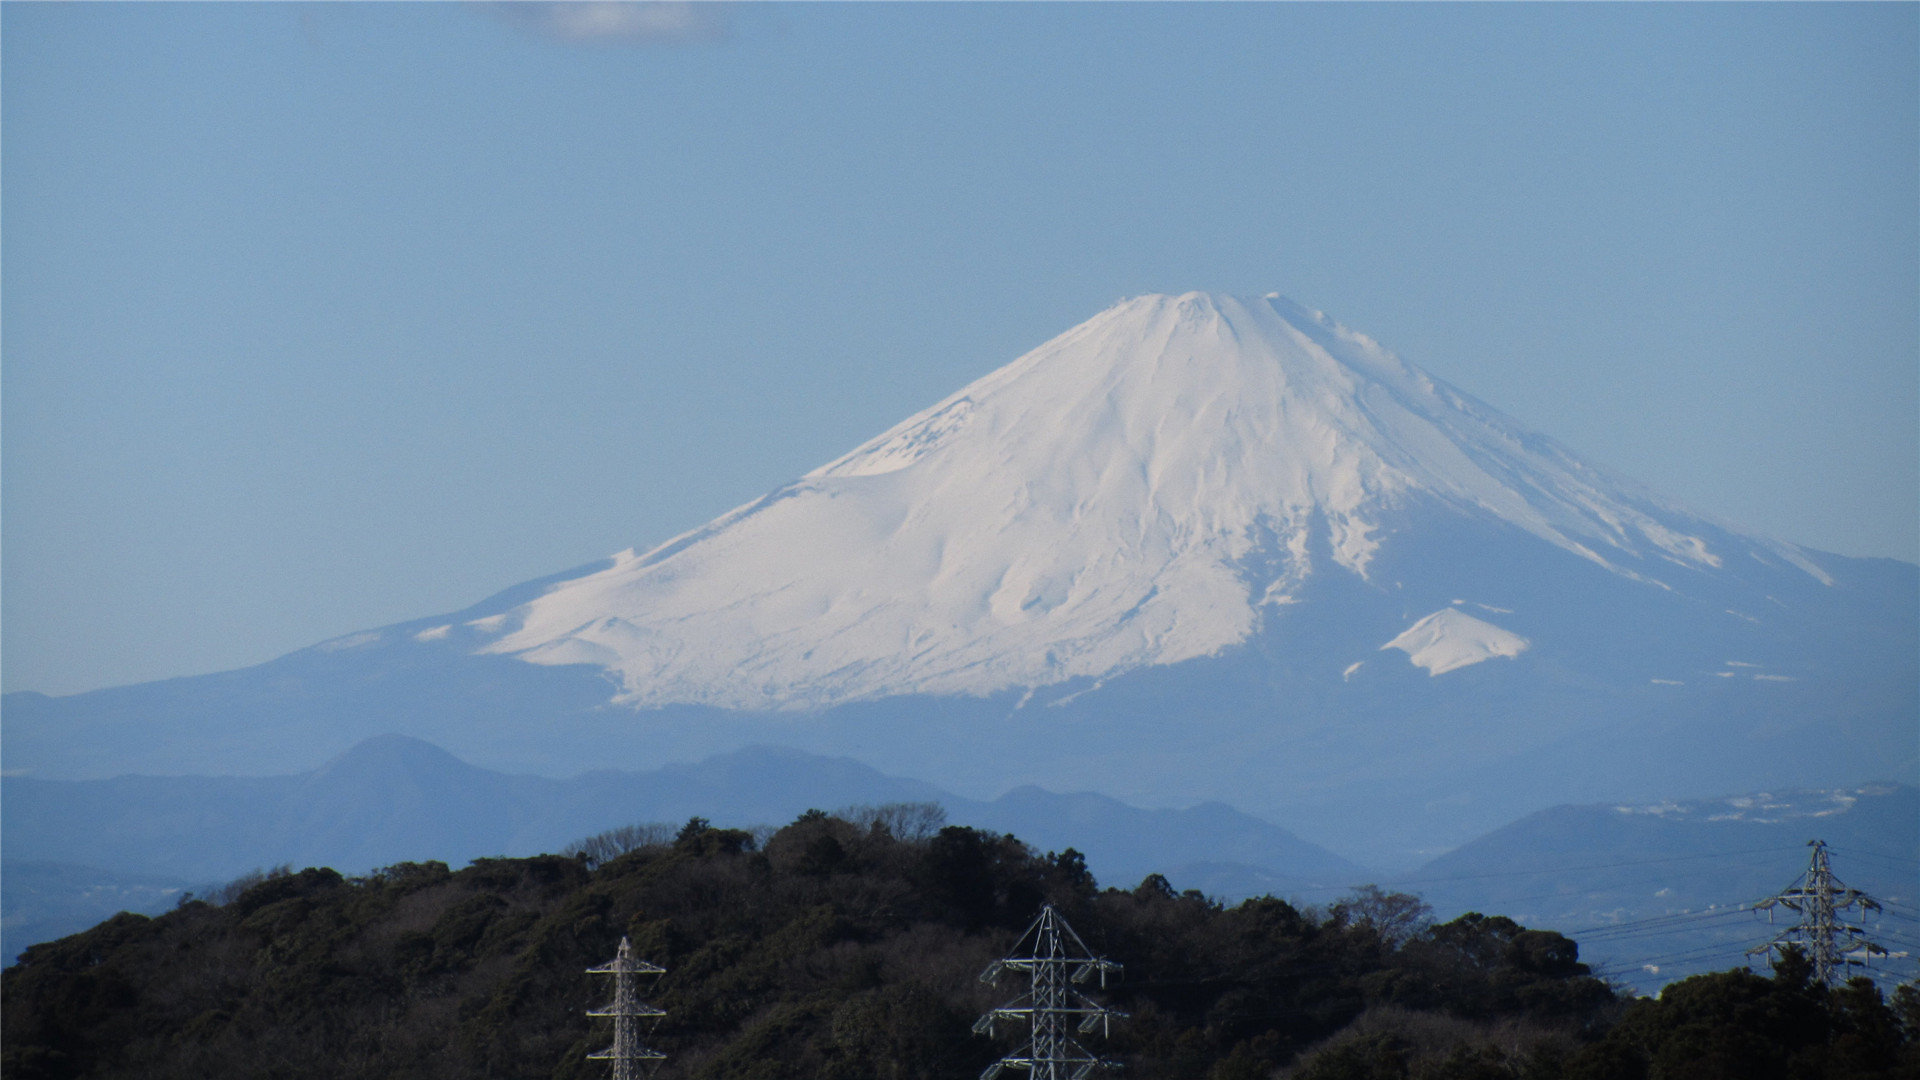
(1198, 547)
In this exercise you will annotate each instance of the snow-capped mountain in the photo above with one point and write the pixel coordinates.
(1196, 548)
(1139, 491)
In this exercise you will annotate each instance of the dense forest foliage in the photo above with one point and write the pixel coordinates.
(850, 946)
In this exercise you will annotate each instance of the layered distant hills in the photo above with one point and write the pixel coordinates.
(1656, 891)
(78, 851)
(1197, 548)
(394, 799)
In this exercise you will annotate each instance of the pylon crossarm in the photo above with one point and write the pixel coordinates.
(617, 1009)
(1778, 941)
(1076, 1004)
(1855, 898)
(613, 1053)
(1088, 967)
(630, 967)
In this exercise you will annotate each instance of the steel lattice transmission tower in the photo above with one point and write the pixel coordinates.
(1055, 960)
(1819, 898)
(629, 1054)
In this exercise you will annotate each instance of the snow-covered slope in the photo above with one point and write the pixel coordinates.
(1141, 490)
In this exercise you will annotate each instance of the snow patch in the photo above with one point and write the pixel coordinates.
(1663, 809)
(1449, 639)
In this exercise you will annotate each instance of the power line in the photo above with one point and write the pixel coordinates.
(1592, 866)
(1854, 852)
(1652, 924)
(1696, 954)
(1396, 883)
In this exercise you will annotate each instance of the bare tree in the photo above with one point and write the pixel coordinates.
(231, 891)
(911, 822)
(603, 847)
(1396, 916)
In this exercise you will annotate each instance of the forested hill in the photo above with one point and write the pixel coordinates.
(852, 948)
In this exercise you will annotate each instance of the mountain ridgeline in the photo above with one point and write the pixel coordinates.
(849, 946)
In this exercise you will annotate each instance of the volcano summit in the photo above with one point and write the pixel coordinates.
(1196, 547)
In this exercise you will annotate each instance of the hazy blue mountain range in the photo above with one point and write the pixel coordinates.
(1652, 891)
(394, 799)
(1655, 892)
(1198, 548)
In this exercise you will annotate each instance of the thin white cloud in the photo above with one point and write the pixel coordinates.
(639, 22)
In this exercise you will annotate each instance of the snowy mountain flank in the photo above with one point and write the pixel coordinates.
(1139, 491)
(1196, 548)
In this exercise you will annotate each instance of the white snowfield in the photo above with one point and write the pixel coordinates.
(1087, 509)
(1448, 639)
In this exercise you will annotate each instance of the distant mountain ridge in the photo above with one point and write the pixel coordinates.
(1198, 548)
(1663, 890)
(393, 799)
(1656, 891)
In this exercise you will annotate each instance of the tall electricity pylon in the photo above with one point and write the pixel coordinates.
(1055, 959)
(628, 1053)
(1818, 898)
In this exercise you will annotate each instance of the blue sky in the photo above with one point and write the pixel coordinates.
(317, 317)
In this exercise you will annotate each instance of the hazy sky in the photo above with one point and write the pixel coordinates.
(319, 317)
